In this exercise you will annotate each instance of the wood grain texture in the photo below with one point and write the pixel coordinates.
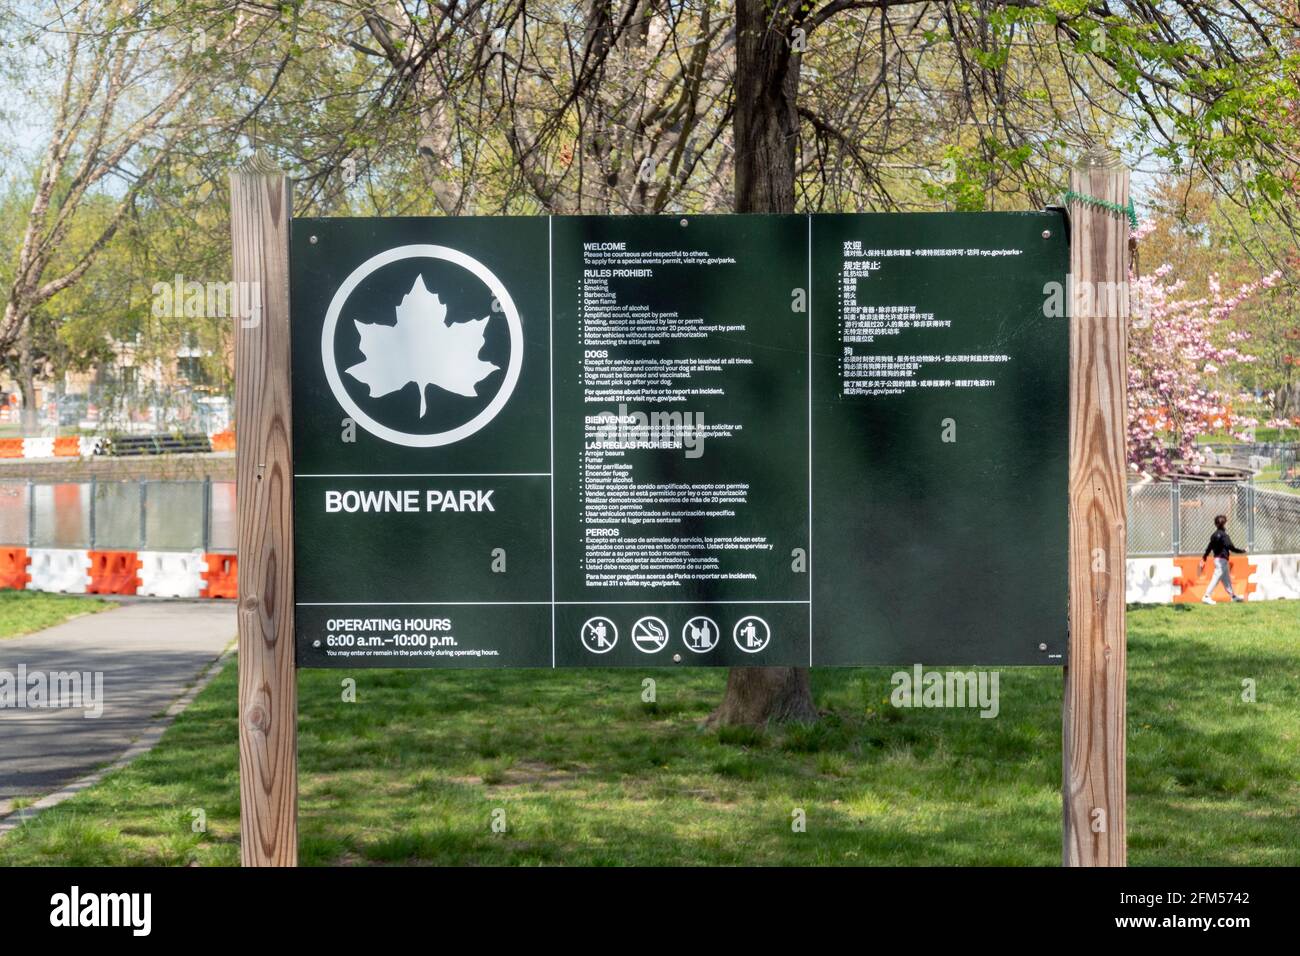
(1093, 719)
(260, 208)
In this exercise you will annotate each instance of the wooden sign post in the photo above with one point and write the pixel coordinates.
(260, 207)
(1093, 717)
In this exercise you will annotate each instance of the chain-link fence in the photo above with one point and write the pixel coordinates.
(138, 515)
(1178, 517)
(102, 409)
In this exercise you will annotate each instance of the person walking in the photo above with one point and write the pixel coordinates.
(1221, 547)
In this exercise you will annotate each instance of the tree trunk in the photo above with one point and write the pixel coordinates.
(766, 125)
(757, 696)
(27, 380)
(767, 117)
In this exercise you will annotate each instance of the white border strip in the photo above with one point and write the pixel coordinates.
(550, 425)
(810, 446)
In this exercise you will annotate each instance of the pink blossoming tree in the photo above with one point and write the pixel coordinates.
(1178, 350)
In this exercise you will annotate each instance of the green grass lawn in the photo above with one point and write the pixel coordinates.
(1270, 479)
(22, 612)
(586, 773)
(1261, 434)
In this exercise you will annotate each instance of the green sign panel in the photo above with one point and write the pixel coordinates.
(712, 440)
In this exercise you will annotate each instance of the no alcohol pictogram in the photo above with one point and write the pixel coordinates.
(700, 634)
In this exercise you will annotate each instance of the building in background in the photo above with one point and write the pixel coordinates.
(138, 391)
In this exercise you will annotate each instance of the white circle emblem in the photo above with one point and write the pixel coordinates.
(484, 275)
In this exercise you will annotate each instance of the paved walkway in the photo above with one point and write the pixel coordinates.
(148, 653)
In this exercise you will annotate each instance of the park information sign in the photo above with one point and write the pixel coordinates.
(712, 440)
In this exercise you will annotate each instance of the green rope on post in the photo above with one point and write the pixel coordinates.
(1130, 211)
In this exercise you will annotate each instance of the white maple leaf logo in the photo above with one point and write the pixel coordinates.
(424, 348)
